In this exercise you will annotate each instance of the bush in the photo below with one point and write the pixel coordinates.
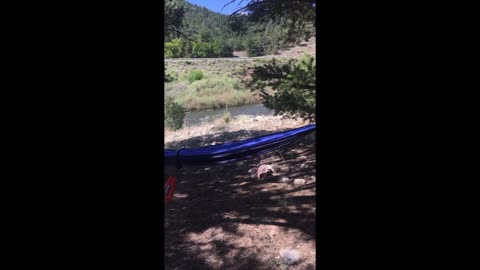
(174, 114)
(195, 75)
(173, 48)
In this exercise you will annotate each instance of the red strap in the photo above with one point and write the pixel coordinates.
(170, 187)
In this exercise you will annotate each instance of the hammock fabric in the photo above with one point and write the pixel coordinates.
(234, 151)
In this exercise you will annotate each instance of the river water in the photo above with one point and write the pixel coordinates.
(201, 117)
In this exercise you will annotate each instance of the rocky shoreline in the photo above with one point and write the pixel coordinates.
(238, 128)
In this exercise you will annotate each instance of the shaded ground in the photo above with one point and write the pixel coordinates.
(239, 128)
(222, 218)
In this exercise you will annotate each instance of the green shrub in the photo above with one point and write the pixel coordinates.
(195, 75)
(173, 48)
(174, 114)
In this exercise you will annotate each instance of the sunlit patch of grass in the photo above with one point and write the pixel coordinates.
(243, 118)
(212, 93)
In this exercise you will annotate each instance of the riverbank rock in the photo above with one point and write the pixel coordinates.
(299, 181)
(262, 171)
(290, 256)
(304, 166)
(284, 179)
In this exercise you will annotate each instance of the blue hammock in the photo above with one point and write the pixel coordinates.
(234, 151)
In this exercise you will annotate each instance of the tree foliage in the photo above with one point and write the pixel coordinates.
(296, 17)
(173, 48)
(174, 114)
(174, 11)
(288, 89)
(178, 48)
(255, 47)
(261, 27)
(205, 33)
(294, 14)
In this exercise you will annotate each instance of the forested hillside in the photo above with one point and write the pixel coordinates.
(204, 33)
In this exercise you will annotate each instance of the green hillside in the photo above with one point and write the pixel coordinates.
(208, 34)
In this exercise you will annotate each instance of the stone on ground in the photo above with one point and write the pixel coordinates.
(299, 181)
(263, 170)
(290, 256)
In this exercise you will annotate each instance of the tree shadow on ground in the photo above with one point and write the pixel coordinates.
(202, 223)
(218, 138)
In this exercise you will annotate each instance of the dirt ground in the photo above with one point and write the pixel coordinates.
(239, 128)
(223, 218)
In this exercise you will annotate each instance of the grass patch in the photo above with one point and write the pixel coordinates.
(220, 124)
(243, 118)
(211, 84)
(211, 93)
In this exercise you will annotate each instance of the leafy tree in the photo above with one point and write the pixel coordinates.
(200, 50)
(297, 17)
(288, 89)
(238, 24)
(174, 48)
(194, 24)
(255, 47)
(293, 14)
(173, 11)
(210, 49)
(205, 35)
(225, 50)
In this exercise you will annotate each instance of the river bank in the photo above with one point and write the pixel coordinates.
(213, 83)
(217, 84)
(238, 128)
(196, 118)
